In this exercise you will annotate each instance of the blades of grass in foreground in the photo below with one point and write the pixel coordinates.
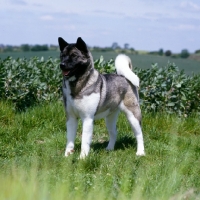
(33, 166)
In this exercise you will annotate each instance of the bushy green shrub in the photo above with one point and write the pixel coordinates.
(104, 67)
(169, 89)
(26, 82)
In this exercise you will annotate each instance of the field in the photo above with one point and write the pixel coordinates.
(33, 166)
(33, 135)
(140, 61)
(30, 54)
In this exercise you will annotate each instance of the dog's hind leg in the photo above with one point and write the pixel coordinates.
(135, 124)
(111, 121)
(134, 119)
(72, 123)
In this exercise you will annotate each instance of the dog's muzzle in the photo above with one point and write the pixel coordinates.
(64, 71)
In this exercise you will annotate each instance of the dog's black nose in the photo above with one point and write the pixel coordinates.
(62, 65)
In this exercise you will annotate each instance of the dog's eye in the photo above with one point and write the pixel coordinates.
(73, 55)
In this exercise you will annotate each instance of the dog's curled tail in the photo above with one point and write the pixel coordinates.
(124, 67)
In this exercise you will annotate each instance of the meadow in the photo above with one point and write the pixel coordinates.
(143, 61)
(33, 165)
(33, 137)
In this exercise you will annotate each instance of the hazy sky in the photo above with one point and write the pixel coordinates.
(143, 24)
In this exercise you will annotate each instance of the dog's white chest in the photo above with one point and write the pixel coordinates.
(87, 105)
(84, 107)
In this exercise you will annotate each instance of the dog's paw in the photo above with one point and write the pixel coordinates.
(82, 156)
(140, 153)
(69, 152)
(109, 148)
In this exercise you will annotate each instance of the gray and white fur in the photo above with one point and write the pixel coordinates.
(89, 95)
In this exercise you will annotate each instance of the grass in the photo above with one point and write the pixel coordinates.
(33, 166)
(141, 61)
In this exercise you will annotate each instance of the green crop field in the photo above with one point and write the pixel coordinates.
(140, 61)
(30, 54)
(145, 61)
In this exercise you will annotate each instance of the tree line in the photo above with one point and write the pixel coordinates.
(27, 47)
(114, 47)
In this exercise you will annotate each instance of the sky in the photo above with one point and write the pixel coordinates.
(144, 24)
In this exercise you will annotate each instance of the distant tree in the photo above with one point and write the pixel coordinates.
(132, 50)
(45, 47)
(25, 47)
(126, 46)
(168, 53)
(8, 48)
(54, 47)
(114, 45)
(39, 47)
(2, 47)
(160, 52)
(36, 48)
(197, 51)
(184, 53)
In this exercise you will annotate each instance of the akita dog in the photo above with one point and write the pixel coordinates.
(89, 95)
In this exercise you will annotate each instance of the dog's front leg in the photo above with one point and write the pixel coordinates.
(86, 137)
(72, 123)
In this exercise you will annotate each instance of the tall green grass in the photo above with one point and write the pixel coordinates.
(33, 165)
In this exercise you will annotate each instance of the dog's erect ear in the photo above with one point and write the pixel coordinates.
(62, 43)
(80, 44)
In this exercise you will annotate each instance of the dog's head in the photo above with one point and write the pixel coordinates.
(75, 58)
